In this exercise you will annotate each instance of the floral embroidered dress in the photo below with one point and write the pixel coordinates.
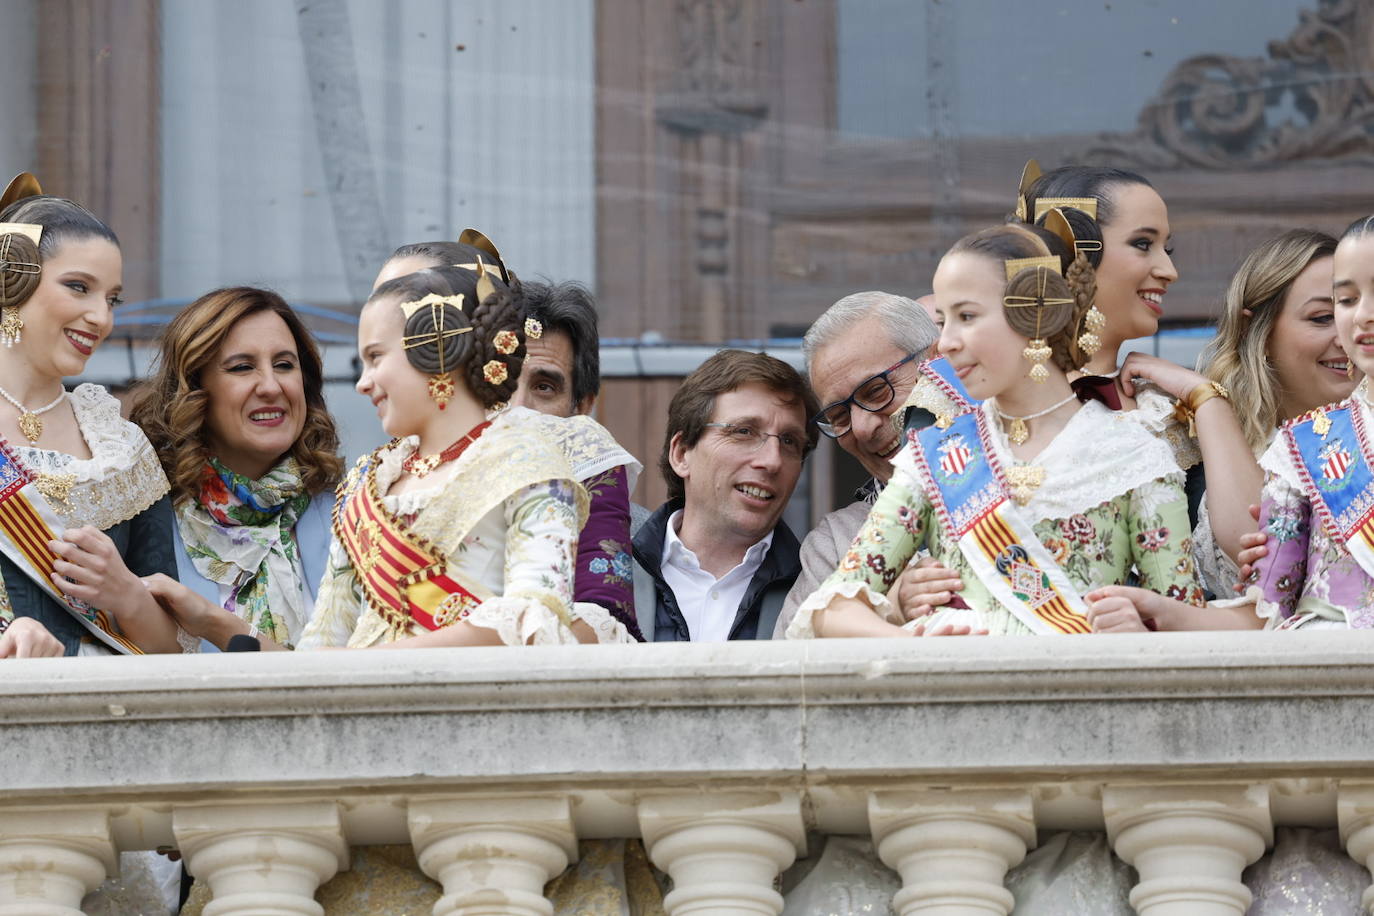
(604, 569)
(497, 534)
(240, 534)
(1111, 499)
(1308, 577)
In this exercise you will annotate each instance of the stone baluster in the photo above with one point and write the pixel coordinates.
(266, 859)
(723, 850)
(51, 858)
(1189, 844)
(1355, 814)
(952, 848)
(493, 855)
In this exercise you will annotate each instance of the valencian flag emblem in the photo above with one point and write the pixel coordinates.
(1335, 463)
(955, 456)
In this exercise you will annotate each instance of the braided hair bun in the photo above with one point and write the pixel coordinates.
(1055, 324)
(479, 338)
(20, 268)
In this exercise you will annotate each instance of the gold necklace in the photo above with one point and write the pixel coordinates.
(1017, 431)
(29, 423)
(1023, 480)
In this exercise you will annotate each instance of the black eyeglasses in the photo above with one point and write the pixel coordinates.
(872, 394)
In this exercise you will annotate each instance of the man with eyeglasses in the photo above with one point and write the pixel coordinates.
(862, 355)
(716, 561)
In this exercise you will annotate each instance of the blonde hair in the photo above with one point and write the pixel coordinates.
(1238, 357)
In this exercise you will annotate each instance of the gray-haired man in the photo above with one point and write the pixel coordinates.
(861, 357)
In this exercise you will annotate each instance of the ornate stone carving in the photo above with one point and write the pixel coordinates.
(1312, 97)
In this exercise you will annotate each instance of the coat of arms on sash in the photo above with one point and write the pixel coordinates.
(1335, 463)
(956, 454)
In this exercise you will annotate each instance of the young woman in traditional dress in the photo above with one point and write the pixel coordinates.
(235, 409)
(82, 509)
(463, 530)
(608, 471)
(1119, 227)
(1006, 495)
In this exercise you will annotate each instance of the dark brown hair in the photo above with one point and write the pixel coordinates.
(726, 371)
(172, 404)
(466, 355)
(62, 220)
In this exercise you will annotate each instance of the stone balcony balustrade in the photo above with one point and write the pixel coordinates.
(1188, 749)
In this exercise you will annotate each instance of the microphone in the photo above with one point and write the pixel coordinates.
(240, 642)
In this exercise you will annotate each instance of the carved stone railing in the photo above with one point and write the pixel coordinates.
(951, 753)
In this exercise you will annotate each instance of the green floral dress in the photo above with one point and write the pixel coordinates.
(1111, 506)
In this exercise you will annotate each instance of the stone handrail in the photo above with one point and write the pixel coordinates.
(951, 753)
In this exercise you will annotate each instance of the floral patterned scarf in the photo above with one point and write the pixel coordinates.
(240, 533)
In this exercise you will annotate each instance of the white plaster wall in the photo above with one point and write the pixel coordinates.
(19, 76)
(498, 135)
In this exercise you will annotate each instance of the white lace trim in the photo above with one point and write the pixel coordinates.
(1217, 570)
(602, 622)
(520, 621)
(121, 478)
(927, 395)
(1097, 456)
(1154, 411)
(819, 600)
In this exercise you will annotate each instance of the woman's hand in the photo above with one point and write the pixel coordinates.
(192, 612)
(1253, 547)
(1175, 380)
(89, 567)
(1110, 613)
(924, 587)
(27, 638)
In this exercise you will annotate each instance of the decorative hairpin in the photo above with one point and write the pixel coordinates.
(1090, 340)
(505, 342)
(441, 382)
(1087, 204)
(1028, 176)
(21, 186)
(1037, 349)
(494, 372)
(18, 276)
(1050, 262)
(479, 241)
(533, 329)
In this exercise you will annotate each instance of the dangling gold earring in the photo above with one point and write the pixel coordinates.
(10, 325)
(1090, 341)
(1350, 368)
(441, 389)
(1038, 350)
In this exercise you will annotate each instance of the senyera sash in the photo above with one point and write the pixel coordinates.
(403, 577)
(1330, 447)
(966, 485)
(27, 523)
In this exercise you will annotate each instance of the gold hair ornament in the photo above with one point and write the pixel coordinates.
(533, 329)
(21, 186)
(441, 387)
(1087, 204)
(505, 342)
(1050, 262)
(479, 241)
(1090, 340)
(1028, 176)
(1037, 350)
(12, 271)
(494, 372)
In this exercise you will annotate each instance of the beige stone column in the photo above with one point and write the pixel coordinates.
(267, 858)
(723, 850)
(494, 854)
(1189, 844)
(1355, 813)
(952, 848)
(51, 858)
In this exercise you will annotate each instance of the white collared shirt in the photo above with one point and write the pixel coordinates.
(708, 604)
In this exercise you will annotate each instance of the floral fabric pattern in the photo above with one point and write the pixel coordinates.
(1142, 528)
(240, 533)
(605, 568)
(1307, 574)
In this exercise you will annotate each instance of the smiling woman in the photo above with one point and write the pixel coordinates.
(235, 409)
(91, 515)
